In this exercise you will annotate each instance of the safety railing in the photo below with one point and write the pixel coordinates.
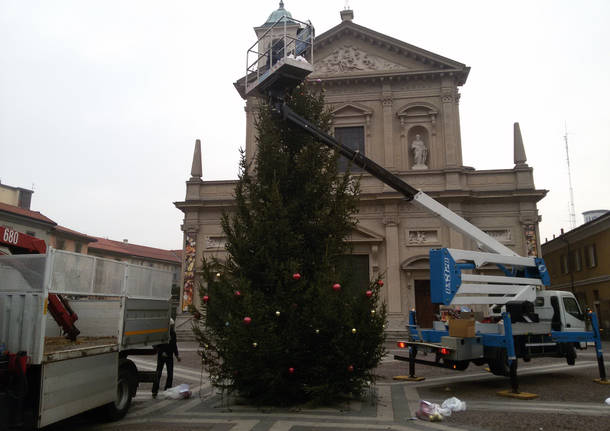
(286, 40)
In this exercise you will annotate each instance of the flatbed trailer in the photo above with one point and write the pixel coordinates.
(122, 310)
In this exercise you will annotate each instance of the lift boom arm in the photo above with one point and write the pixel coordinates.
(446, 265)
(484, 241)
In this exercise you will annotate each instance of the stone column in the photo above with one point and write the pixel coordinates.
(458, 141)
(450, 121)
(388, 138)
(392, 259)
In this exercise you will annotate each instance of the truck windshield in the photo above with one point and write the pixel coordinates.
(572, 307)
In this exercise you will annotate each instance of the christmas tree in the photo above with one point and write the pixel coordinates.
(281, 321)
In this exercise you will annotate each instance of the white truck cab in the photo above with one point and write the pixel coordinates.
(561, 308)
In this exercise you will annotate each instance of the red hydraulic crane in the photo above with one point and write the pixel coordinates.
(15, 242)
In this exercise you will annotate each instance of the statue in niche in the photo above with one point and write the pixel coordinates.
(420, 153)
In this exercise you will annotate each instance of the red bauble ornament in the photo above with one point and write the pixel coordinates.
(296, 276)
(380, 283)
(369, 293)
(247, 320)
(350, 368)
(291, 370)
(336, 286)
(206, 298)
(237, 293)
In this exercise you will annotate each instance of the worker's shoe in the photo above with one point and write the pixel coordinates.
(154, 396)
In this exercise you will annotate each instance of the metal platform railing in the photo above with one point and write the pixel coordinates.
(286, 46)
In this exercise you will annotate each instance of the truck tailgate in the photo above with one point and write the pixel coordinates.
(145, 323)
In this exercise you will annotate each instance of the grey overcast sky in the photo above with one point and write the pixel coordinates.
(101, 101)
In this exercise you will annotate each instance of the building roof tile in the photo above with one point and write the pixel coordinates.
(127, 249)
(69, 232)
(35, 215)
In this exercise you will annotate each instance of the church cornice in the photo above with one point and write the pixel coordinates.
(195, 204)
(380, 77)
(533, 195)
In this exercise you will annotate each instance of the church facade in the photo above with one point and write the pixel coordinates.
(399, 105)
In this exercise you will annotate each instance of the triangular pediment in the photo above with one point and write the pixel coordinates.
(351, 110)
(349, 49)
(361, 234)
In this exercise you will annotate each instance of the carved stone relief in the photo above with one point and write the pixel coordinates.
(500, 235)
(351, 59)
(215, 242)
(422, 237)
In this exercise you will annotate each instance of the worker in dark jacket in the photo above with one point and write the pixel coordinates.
(165, 356)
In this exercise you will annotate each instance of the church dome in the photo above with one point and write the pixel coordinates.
(277, 14)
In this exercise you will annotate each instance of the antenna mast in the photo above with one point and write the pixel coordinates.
(572, 211)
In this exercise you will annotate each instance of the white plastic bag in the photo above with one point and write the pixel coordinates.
(452, 404)
(177, 392)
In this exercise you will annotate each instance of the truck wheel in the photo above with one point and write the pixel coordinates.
(118, 408)
(571, 355)
(498, 365)
(456, 365)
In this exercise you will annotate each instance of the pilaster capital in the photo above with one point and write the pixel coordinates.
(391, 220)
(449, 95)
(191, 230)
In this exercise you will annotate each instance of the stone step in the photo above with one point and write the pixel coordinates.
(185, 335)
(184, 328)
